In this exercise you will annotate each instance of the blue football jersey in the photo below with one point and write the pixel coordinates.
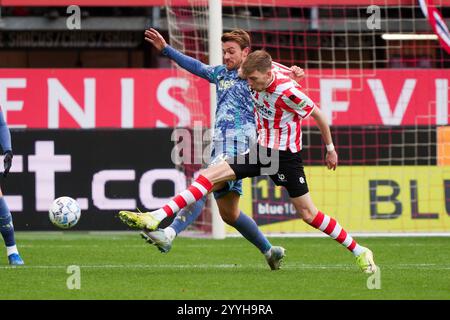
(235, 126)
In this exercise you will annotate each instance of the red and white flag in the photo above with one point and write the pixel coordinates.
(437, 22)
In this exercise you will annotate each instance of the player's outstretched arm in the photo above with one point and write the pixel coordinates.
(190, 64)
(331, 157)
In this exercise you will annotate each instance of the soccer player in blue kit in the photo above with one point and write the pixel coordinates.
(234, 132)
(6, 224)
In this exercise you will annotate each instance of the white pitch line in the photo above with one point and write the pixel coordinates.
(142, 245)
(354, 235)
(65, 246)
(228, 266)
(119, 235)
(212, 245)
(131, 266)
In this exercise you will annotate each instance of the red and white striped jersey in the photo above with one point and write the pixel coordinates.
(283, 69)
(279, 112)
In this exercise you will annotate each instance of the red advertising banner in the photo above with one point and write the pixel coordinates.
(381, 97)
(146, 98)
(101, 98)
(279, 3)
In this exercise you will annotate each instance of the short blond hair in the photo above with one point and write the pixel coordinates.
(240, 36)
(258, 60)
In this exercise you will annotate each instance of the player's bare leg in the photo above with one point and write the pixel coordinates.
(229, 207)
(206, 182)
(312, 216)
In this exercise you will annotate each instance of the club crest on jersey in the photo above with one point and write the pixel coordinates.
(282, 177)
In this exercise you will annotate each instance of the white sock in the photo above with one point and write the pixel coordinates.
(159, 214)
(268, 253)
(11, 250)
(170, 233)
(358, 250)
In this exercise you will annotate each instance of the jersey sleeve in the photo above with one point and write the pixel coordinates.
(213, 72)
(295, 100)
(190, 64)
(281, 68)
(286, 71)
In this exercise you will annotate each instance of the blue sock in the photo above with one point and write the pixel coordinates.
(249, 229)
(188, 215)
(6, 225)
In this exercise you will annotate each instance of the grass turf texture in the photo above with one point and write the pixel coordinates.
(123, 266)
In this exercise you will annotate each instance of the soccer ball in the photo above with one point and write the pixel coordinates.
(64, 212)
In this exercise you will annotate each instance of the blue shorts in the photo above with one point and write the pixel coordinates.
(234, 185)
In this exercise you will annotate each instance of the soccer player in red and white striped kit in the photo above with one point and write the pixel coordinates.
(280, 106)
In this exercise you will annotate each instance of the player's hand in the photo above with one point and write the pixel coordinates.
(7, 162)
(297, 73)
(155, 38)
(331, 159)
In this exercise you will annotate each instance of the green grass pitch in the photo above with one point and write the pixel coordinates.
(123, 266)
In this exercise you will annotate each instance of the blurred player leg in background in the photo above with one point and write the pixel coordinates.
(7, 230)
(6, 225)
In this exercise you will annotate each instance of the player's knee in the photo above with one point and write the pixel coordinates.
(6, 223)
(228, 220)
(228, 217)
(307, 214)
(6, 227)
(217, 174)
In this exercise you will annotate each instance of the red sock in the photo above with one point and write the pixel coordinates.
(330, 226)
(196, 191)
